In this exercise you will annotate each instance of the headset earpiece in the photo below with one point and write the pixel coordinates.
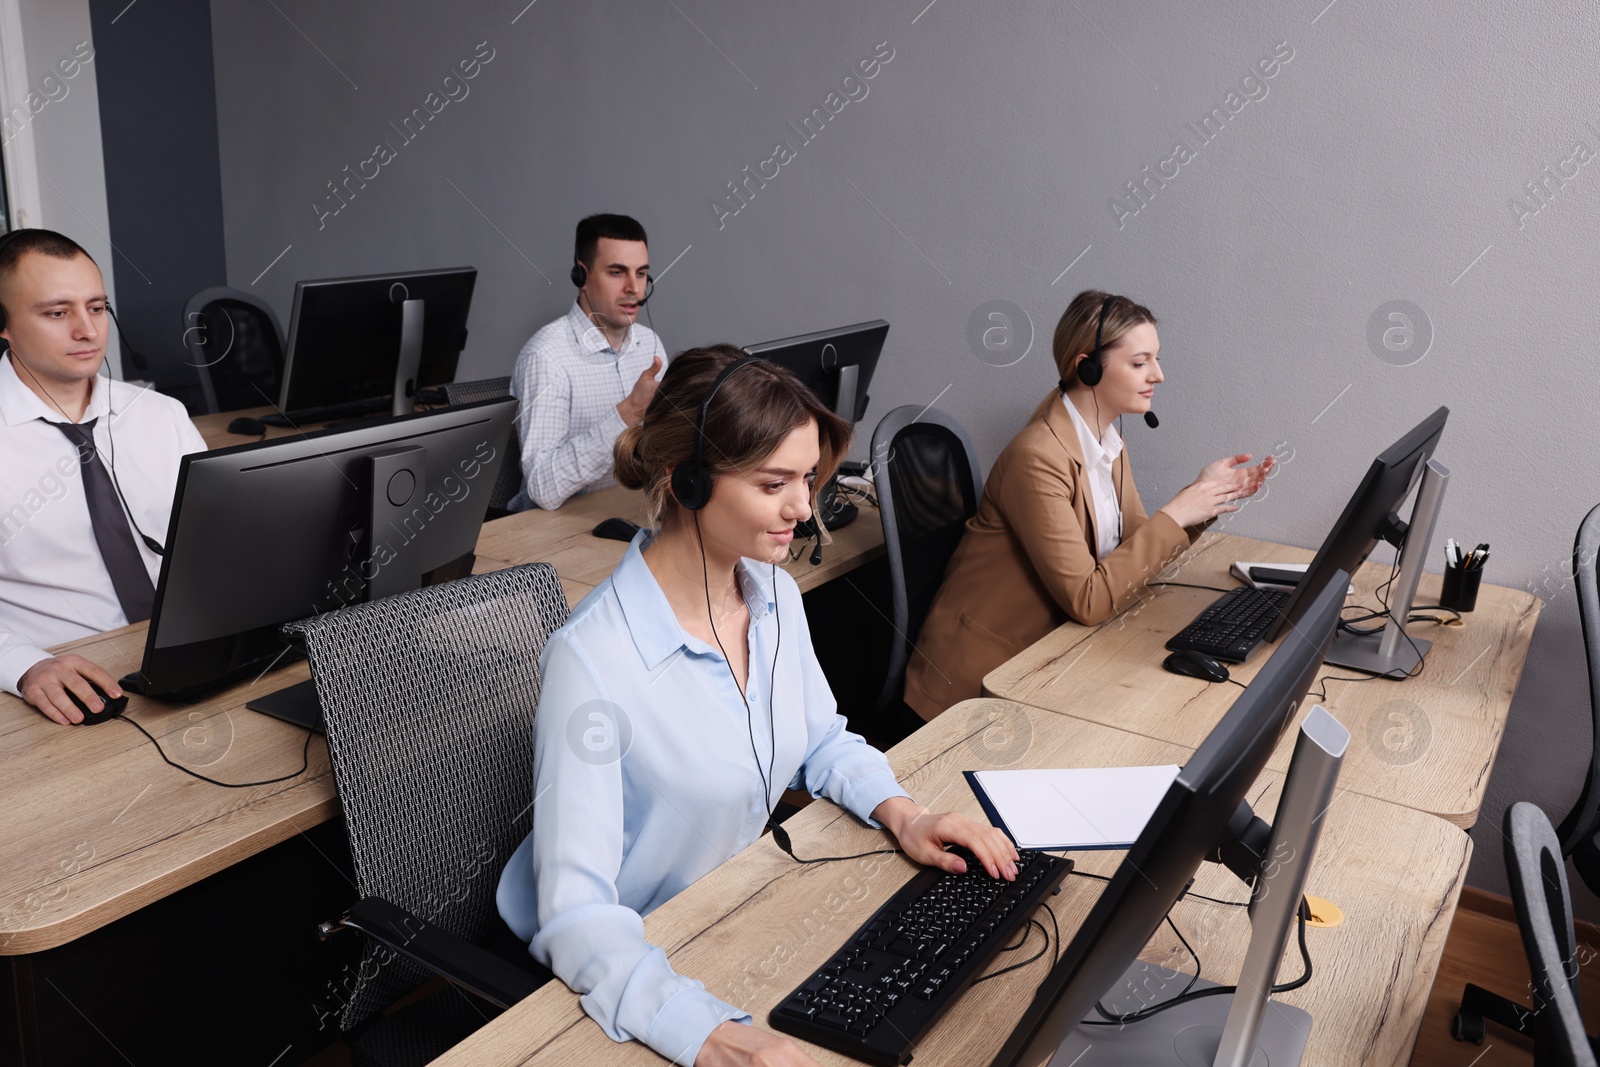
(1090, 369)
(649, 289)
(579, 273)
(692, 481)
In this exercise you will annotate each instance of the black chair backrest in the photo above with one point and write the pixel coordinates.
(928, 484)
(1539, 890)
(235, 344)
(428, 700)
(1580, 828)
(510, 480)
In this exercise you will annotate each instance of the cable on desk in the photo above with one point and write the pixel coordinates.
(1025, 931)
(1190, 585)
(780, 837)
(1115, 1019)
(305, 761)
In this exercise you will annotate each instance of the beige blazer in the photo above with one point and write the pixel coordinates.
(1025, 564)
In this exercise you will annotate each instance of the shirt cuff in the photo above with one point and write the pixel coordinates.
(686, 1020)
(862, 796)
(15, 661)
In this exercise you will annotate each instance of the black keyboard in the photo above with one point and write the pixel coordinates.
(888, 984)
(1234, 624)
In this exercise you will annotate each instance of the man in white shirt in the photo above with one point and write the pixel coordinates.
(88, 467)
(582, 379)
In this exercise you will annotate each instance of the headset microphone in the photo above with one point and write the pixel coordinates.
(1150, 420)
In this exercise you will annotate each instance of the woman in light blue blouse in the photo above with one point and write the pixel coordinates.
(680, 700)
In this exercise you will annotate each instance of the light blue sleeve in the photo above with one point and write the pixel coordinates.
(587, 939)
(839, 765)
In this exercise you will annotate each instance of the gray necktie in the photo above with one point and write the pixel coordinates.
(124, 563)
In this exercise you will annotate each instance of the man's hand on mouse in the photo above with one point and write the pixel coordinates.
(45, 685)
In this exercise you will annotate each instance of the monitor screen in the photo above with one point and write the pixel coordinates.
(1381, 492)
(265, 533)
(837, 365)
(1189, 825)
(344, 336)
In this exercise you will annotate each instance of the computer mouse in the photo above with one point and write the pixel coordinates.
(1195, 665)
(616, 529)
(112, 709)
(247, 427)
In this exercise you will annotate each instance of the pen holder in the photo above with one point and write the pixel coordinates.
(1460, 589)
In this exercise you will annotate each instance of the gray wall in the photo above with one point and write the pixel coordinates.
(986, 157)
(159, 122)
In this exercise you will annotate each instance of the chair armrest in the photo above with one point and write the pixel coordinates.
(455, 959)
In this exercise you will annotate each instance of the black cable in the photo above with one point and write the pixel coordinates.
(1023, 963)
(1051, 912)
(1190, 585)
(1114, 1019)
(305, 761)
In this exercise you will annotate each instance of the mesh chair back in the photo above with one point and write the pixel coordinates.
(928, 483)
(236, 347)
(510, 479)
(1544, 915)
(428, 700)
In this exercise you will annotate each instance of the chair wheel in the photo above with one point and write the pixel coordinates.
(1467, 1026)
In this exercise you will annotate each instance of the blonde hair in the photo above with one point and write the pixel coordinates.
(751, 414)
(1075, 333)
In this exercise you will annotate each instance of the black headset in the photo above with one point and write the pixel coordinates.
(580, 274)
(1091, 370)
(692, 481)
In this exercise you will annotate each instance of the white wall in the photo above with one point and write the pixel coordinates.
(66, 133)
(1378, 166)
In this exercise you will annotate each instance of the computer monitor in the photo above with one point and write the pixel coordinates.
(363, 345)
(265, 533)
(837, 365)
(1370, 516)
(1203, 816)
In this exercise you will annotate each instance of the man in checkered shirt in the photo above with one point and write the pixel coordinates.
(586, 376)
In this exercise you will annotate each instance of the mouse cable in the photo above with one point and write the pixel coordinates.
(305, 761)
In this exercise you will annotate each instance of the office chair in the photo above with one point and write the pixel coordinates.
(1579, 833)
(1538, 873)
(428, 700)
(510, 480)
(236, 346)
(928, 483)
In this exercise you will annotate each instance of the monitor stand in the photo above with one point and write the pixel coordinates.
(1392, 653)
(297, 704)
(1247, 1028)
(404, 399)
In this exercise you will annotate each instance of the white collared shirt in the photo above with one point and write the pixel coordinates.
(54, 586)
(568, 382)
(1099, 457)
(644, 782)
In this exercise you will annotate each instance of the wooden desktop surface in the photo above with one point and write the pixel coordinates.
(754, 928)
(97, 826)
(214, 428)
(1427, 742)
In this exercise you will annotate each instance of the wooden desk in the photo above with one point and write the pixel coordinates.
(1428, 742)
(68, 867)
(564, 537)
(756, 926)
(214, 428)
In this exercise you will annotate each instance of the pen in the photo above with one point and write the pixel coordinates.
(1452, 554)
(1483, 558)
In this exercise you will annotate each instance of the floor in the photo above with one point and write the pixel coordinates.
(1485, 948)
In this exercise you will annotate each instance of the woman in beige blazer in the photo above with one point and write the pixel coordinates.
(1045, 546)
